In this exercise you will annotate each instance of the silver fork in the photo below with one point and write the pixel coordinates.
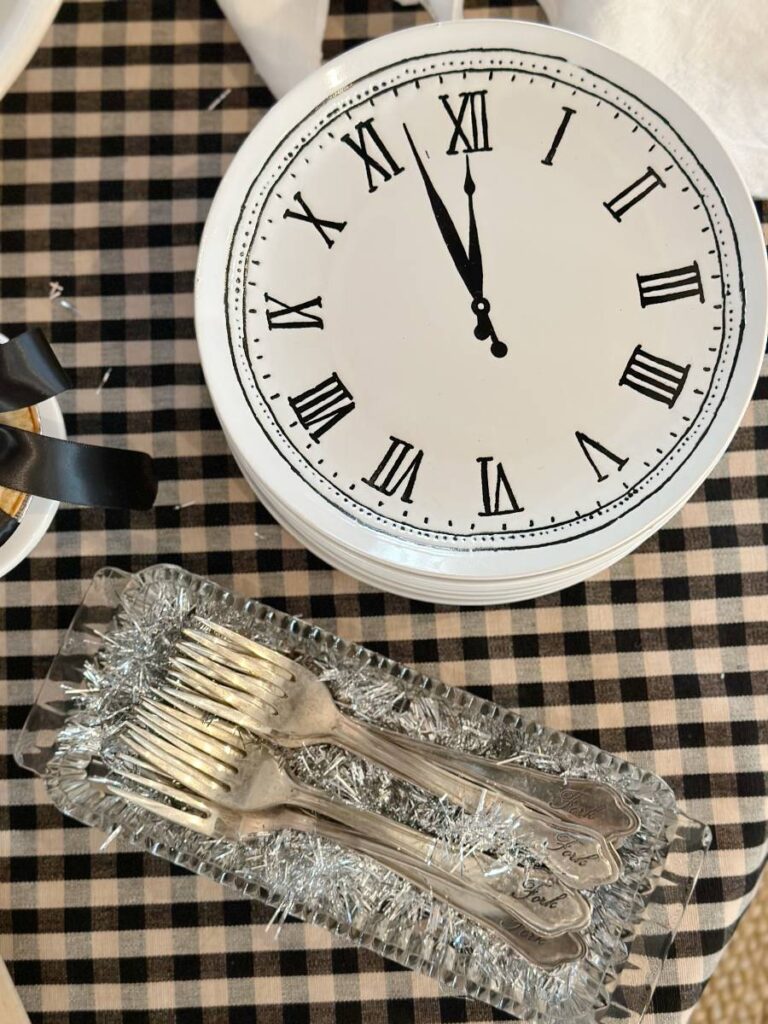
(276, 697)
(208, 817)
(213, 761)
(583, 802)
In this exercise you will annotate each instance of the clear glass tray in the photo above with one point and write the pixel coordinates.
(634, 920)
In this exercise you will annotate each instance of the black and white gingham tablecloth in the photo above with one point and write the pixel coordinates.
(110, 158)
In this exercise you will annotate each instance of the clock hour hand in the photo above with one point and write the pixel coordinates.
(464, 263)
(473, 249)
(480, 305)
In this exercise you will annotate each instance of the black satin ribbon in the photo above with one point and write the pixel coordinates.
(7, 525)
(29, 371)
(82, 474)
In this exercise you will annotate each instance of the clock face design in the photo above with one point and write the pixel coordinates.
(483, 299)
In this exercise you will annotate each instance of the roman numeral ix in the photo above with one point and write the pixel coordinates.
(323, 406)
(683, 283)
(322, 226)
(655, 377)
(568, 113)
(384, 164)
(470, 122)
(633, 193)
(282, 316)
(498, 498)
(396, 470)
(593, 449)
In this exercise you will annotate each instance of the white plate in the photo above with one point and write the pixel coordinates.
(40, 511)
(406, 556)
(23, 23)
(441, 590)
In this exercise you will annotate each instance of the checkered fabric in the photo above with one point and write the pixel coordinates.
(110, 157)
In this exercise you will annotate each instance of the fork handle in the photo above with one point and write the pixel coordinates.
(536, 899)
(579, 857)
(582, 802)
(485, 911)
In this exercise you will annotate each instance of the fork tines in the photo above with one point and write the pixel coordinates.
(223, 635)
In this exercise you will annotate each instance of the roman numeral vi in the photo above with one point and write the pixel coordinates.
(683, 283)
(384, 164)
(470, 122)
(396, 470)
(498, 498)
(281, 316)
(323, 406)
(654, 377)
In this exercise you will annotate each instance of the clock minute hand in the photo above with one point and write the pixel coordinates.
(447, 228)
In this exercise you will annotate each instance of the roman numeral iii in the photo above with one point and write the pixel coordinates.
(592, 450)
(498, 497)
(470, 122)
(383, 163)
(323, 406)
(632, 194)
(568, 113)
(683, 283)
(322, 226)
(397, 471)
(655, 377)
(293, 317)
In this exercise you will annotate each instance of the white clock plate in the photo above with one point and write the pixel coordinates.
(480, 301)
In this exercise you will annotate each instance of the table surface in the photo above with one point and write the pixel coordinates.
(110, 158)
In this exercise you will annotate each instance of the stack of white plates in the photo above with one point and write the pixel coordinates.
(480, 305)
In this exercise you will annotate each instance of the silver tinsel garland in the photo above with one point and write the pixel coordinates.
(318, 880)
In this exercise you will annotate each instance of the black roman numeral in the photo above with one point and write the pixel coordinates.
(396, 470)
(367, 135)
(316, 222)
(568, 113)
(633, 193)
(682, 283)
(321, 407)
(498, 500)
(470, 123)
(280, 317)
(593, 448)
(655, 377)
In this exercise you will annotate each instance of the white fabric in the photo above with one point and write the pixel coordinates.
(284, 38)
(441, 10)
(714, 53)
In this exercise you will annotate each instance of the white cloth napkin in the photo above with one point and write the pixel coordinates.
(284, 38)
(713, 52)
